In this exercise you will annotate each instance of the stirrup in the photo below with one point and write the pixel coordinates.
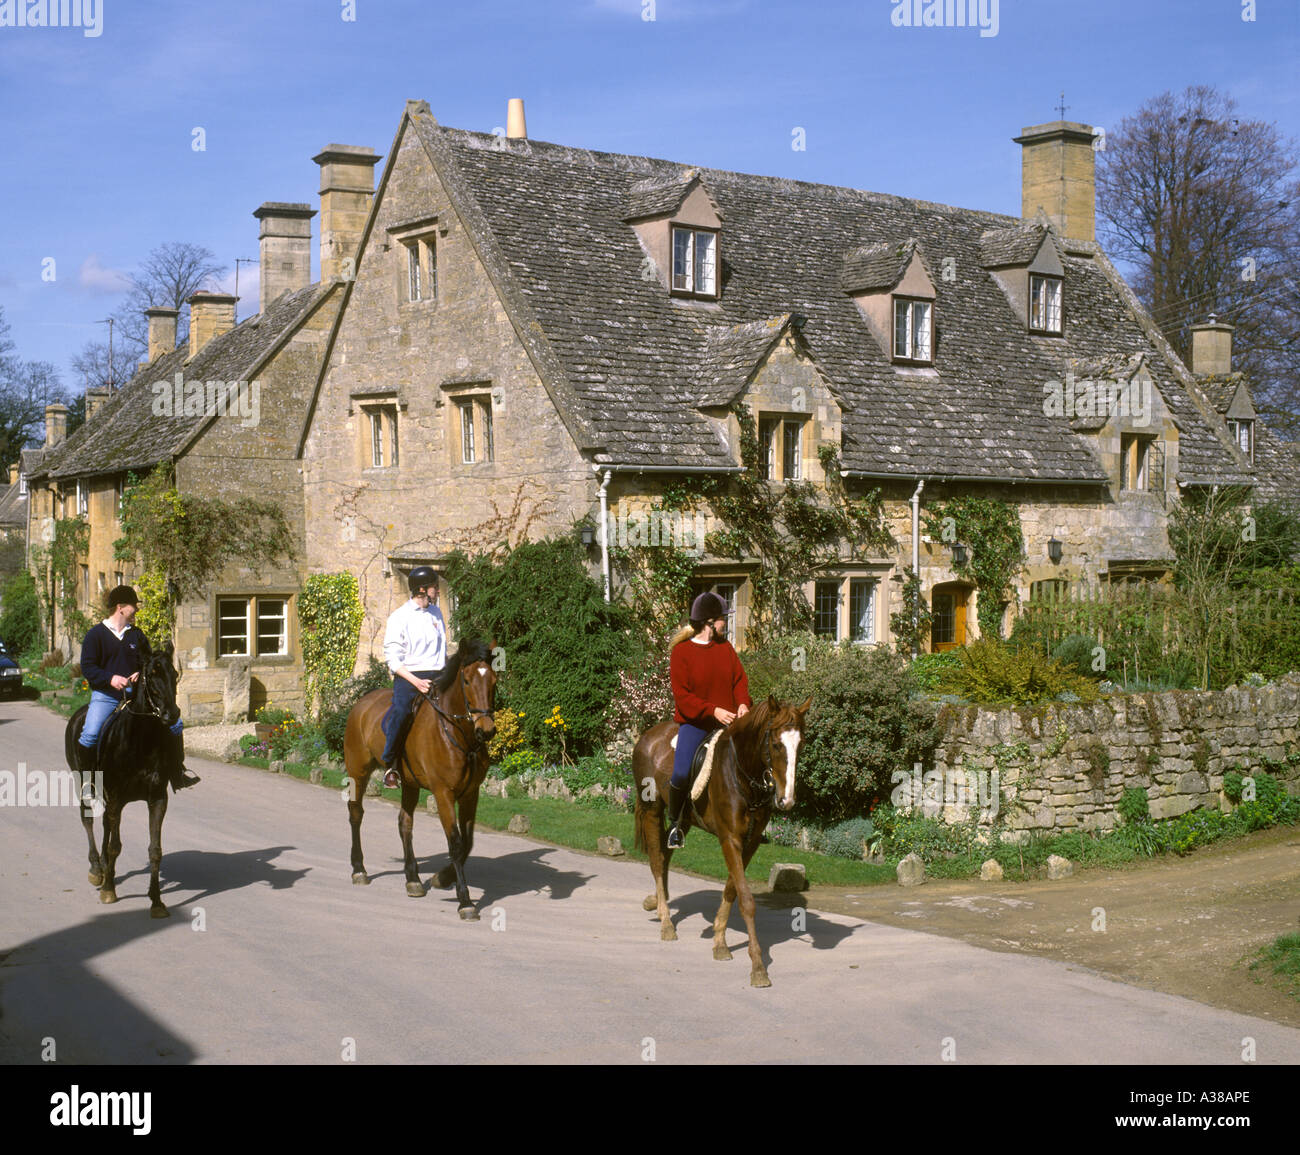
(676, 839)
(391, 773)
(184, 779)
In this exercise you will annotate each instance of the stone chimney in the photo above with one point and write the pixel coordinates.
(284, 243)
(95, 400)
(1058, 175)
(1212, 348)
(162, 330)
(347, 186)
(56, 424)
(211, 314)
(516, 129)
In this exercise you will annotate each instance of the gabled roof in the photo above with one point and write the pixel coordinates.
(127, 433)
(660, 195)
(13, 507)
(622, 358)
(730, 355)
(1016, 244)
(873, 268)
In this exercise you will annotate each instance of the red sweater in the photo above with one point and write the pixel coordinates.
(705, 677)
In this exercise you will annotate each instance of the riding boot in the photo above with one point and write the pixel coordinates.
(180, 777)
(677, 802)
(87, 765)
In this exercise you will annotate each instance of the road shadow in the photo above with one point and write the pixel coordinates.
(54, 1008)
(523, 872)
(212, 872)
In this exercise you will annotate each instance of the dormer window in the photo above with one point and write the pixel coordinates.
(1044, 304)
(912, 330)
(695, 262)
(1243, 436)
(780, 444)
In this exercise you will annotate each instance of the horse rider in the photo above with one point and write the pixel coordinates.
(415, 648)
(110, 663)
(710, 691)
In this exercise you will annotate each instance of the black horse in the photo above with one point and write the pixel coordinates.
(137, 756)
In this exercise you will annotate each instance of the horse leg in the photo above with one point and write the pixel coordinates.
(157, 812)
(456, 849)
(405, 822)
(96, 874)
(731, 851)
(356, 791)
(721, 951)
(112, 848)
(656, 844)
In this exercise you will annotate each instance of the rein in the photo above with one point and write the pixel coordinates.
(764, 785)
(456, 719)
(128, 703)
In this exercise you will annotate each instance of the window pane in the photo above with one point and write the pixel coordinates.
(1036, 302)
(376, 440)
(902, 347)
(705, 246)
(272, 626)
(790, 451)
(920, 331)
(943, 620)
(431, 253)
(392, 435)
(413, 268)
(727, 592)
(767, 446)
(1054, 306)
(232, 627)
(862, 610)
(485, 412)
(681, 259)
(466, 430)
(826, 610)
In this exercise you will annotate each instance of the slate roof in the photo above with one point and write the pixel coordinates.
(876, 267)
(126, 433)
(623, 358)
(13, 507)
(658, 195)
(730, 355)
(1016, 244)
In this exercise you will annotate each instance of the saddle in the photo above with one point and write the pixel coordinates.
(697, 778)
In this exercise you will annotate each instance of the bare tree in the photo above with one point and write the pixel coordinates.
(1206, 207)
(26, 387)
(168, 276)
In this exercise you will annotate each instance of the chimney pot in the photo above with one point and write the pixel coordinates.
(162, 330)
(347, 186)
(516, 129)
(211, 314)
(1058, 175)
(56, 424)
(1212, 348)
(284, 248)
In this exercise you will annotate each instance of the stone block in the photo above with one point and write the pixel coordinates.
(317, 775)
(235, 693)
(431, 805)
(609, 845)
(787, 876)
(518, 824)
(276, 766)
(911, 871)
(1058, 867)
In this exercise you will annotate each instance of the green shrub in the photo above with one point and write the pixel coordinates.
(334, 714)
(521, 763)
(20, 615)
(1076, 652)
(992, 672)
(846, 839)
(928, 669)
(1134, 807)
(866, 720)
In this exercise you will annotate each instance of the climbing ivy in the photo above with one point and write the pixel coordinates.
(991, 532)
(157, 610)
(911, 625)
(329, 619)
(59, 561)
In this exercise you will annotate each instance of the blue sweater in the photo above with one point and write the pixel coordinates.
(102, 656)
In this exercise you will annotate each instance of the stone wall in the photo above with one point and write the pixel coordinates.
(1063, 767)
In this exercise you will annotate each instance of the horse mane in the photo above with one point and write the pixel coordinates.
(471, 650)
(747, 731)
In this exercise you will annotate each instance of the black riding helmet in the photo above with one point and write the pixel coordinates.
(422, 575)
(707, 607)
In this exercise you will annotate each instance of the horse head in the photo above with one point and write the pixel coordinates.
(782, 737)
(156, 692)
(478, 682)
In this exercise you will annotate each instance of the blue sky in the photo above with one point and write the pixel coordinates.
(97, 131)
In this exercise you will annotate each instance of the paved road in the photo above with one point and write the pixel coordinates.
(293, 960)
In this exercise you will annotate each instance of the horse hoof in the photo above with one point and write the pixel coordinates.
(416, 889)
(159, 912)
(649, 902)
(668, 934)
(360, 878)
(759, 979)
(95, 880)
(107, 897)
(444, 878)
(722, 954)
(469, 914)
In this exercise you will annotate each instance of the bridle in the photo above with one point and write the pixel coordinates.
(471, 712)
(761, 792)
(130, 701)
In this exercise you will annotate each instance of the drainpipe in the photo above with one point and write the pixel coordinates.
(604, 526)
(916, 554)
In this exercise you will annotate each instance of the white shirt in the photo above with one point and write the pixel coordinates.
(415, 638)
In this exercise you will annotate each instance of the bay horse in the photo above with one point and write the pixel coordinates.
(445, 752)
(136, 753)
(753, 771)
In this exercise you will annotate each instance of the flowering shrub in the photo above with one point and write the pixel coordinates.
(644, 697)
(509, 734)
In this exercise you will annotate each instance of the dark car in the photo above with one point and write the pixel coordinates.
(11, 674)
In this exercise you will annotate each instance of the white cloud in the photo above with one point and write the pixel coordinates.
(95, 278)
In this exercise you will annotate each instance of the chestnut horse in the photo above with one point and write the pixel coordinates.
(135, 760)
(445, 752)
(753, 771)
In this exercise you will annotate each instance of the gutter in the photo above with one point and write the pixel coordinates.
(604, 526)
